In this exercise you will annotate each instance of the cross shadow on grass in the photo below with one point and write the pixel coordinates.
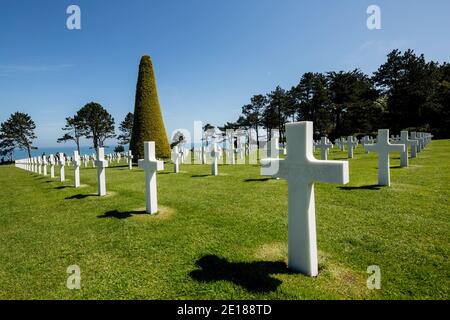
(120, 215)
(257, 180)
(368, 187)
(62, 187)
(253, 276)
(81, 196)
(200, 175)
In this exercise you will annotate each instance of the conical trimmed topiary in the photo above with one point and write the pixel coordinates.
(148, 124)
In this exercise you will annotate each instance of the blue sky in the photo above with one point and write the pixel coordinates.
(210, 56)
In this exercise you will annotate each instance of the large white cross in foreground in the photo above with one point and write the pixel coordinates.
(150, 166)
(301, 170)
(383, 147)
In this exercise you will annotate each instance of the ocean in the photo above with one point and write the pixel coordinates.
(67, 149)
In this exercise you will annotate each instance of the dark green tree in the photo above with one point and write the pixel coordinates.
(126, 127)
(74, 131)
(18, 132)
(96, 124)
(253, 113)
(119, 149)
(410, 83)
(148, 121)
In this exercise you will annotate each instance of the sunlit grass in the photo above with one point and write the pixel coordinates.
(225, 237)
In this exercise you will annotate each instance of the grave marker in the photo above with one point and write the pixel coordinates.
(383, 147)
(301, 170)
(61, 167)
(150, 165)
(101, 165)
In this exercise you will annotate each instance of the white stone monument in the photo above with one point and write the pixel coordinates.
(383, 147)
(130, 160)
(215, 154)
(407, 142)
(52, 166)
(76, 169)
(351, 145)
(61, 167)
(416, 148)
(365, 140)
(150, 165)
(324, 146)
(101, 165)
(44, 162)
(176, 157)
(301, 170)
(39, 163)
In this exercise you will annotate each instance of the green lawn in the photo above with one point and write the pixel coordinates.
(225, 237)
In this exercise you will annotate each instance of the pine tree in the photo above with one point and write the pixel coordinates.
(148, 123)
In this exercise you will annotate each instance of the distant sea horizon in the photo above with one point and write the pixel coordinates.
(68, 150)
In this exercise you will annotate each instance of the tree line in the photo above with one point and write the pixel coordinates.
(92, 122)
(405, 93)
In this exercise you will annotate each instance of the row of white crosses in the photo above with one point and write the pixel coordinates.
(383, 147)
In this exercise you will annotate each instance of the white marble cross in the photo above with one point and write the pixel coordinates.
(301, 170)
(52, 166)
(365, 140)
(39, 163)
(383, 147)
(415, 136)
(230, 151)
(44, 162)
(351, 144)
(324, 146)
(101, 165)
(76, 168)
(130, 160)
(215, 154)
(176, 157)
(407, 142)
(203, 154)
(61, 167)
(418, 136)
(343, 142)
(274, 146)
(150, 165)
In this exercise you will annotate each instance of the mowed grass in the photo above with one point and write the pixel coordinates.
(225, 237)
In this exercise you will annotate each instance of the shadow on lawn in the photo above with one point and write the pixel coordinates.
(62, 187)
(258, 180)
(369, 187)
(120, 215)
(81, 196)
(253, 276)
(200, 175)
